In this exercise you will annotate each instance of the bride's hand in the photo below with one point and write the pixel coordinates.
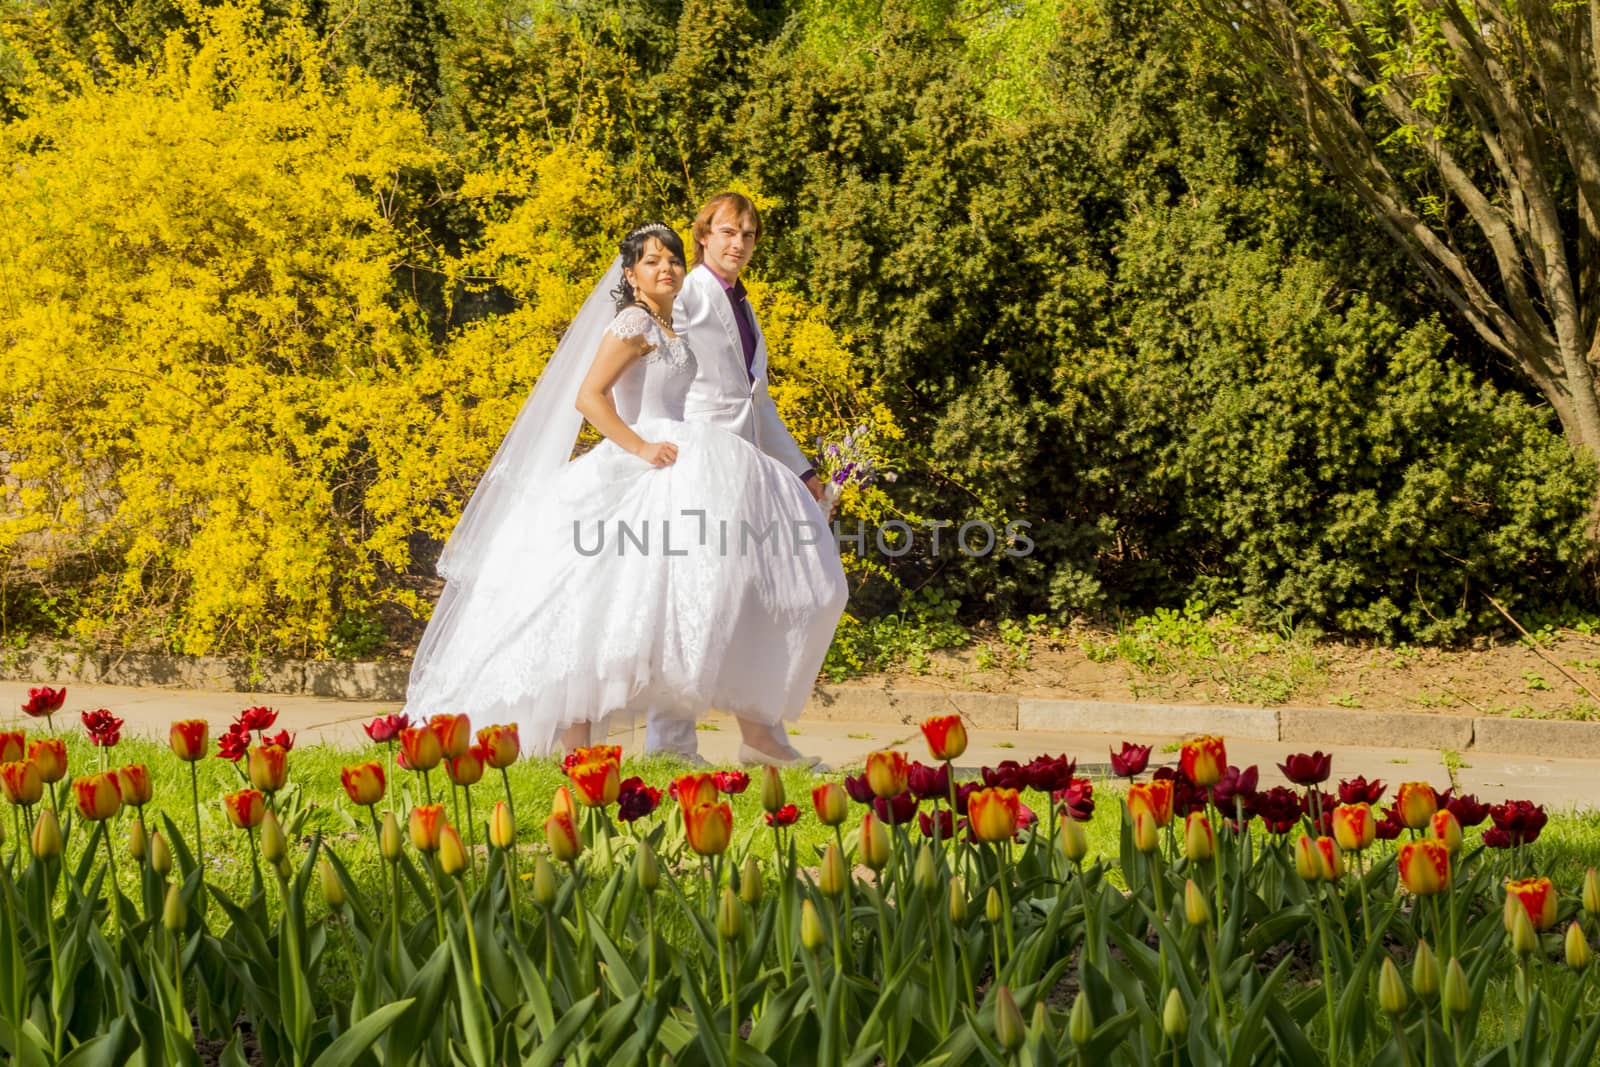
(658, 453)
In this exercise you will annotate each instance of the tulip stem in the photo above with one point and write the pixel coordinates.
(1361, 881)
(111, 859)
(785, 942)
(1003, 853)
(650, 932)
(472, 936)
(394, 892)
(1327, 984)
(472, 840)
(199, 847)
(438, 909)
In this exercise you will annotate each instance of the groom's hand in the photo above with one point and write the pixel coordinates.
(814, 484)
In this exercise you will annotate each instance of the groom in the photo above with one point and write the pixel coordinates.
(730, 391)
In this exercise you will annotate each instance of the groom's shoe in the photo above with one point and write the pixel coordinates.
(792, 757)
(692, 759)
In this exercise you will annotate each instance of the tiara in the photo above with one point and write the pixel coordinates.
(650, 227)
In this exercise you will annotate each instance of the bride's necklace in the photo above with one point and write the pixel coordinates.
(665, 324)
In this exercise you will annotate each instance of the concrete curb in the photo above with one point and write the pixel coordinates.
(385, 680)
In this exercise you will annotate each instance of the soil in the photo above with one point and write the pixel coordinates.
(1559, 678)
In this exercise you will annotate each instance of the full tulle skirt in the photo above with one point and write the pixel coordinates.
(620, 587)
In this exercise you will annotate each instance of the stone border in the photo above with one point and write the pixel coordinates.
(385, 680)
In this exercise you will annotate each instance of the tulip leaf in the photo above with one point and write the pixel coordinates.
(427, 991)
(712, 1043)
(476, 1026)
(351, 1045)
(1297, 1049)
(110, 1049)
(619, 971)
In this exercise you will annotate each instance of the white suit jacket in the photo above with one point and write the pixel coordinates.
(722, 392)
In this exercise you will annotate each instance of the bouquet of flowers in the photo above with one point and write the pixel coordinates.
(848, 462)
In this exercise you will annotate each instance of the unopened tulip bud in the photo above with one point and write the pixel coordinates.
(1195, 908)
(958, 901)
(1578, 954)
(1391, 989)
(274, 846)
(645, 868)
(1457, 994)
(1145, 837)
(47, 835)
(285, 868)
(452, 853)
(1524, 938)
(1308, 859)
(160, 855)
(750, 882)
(1080, 1023)
(1074, 842)
(137, 842)
(874, 842)
(544, 883)
(992, 909)
(502, 828)
(1199, 840)
(389, 838)
(925, 876)
(833, 879)
(772, 798)
(1591, 892)
(730, 916)
(1009, 1028)
(332, 888)
(811, 933)
(1175, 1016)
(1425, 972)
(174, 913)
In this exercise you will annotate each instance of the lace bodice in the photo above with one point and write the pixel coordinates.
(655, 385)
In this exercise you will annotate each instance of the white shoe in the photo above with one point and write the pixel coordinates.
(751, 756)
(693, 759)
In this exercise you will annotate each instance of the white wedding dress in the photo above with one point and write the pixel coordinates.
(616, 586)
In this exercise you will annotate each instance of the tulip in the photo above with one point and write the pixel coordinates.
(1199, 839)
(502, 829)
(562, 837)
(1195, 909)
(1080, 1022)
(137, 843)
(1524, 938)
(419, 745)
(452, 853)
(832, 878)
(709, 827)
(1424, 866)
(98, 795)
(1332, 859)
(1146, 837)
(245, 808)
(1074, 842)
(269, 767)
(1591, 892)
(750, 882)
(500, 746)
(1307, 769)
(874, 850)
(1456, 992)
(49, 754)
(562, 801)
(958, 902)
(274, 845)
(1445, 827)
(13, 746)
(363, 783)
(44, 700)
(454, 733)
(646, 870)
(1131, 761)
(332, 887)
(1354, 827)
(134, 783)
(1577, 946)
(189, 739)
(174, 913)
(772, 798)
(1203, 760)
(1308, 862)
(160, 854)
(466, 769)
(544, 876)
(831, 803)
(993, 814)
(1536, 897)
(1425, 971)
(888, 773)
(946, 736)
(596, 785)
(994, 909)
(1155, 797)
(47, 835)
(21, 782)
(1391, 989)
(1174, 1017)
(389, 838)
(1009, 1028)
(731, 783)
(425, 825)
(811, 932)
(925, 874)
(730, 916)
(1415, 803)
(692, 789)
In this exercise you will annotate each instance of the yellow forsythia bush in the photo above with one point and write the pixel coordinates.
(222, 416)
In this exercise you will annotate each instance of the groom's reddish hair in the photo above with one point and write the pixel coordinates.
(740, 203)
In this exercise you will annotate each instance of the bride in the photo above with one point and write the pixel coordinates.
(673, 566)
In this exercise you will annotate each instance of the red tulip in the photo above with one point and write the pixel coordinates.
(44, 701)
(732, 783)
(1131, 761)
(386, 728)
(1360, 791)
(1520, 821)
(787, 815)
(1469, 812)
(104, 728)
(635, 799)
(234, 744)
(1308, 769)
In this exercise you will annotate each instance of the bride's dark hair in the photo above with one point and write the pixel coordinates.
(632, 247)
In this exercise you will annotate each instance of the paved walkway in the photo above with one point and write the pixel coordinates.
(1560, 783)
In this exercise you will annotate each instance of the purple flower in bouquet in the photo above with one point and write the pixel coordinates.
(849, 462)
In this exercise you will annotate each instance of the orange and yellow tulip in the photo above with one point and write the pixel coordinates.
(709, 827)
(1155, 797)
(99, 796)
(13, 746)
(245, 809)
(454, 733)
(1332, 859)
(1204, 760)
(1199, 838)
(269, 767)
(875, 848)
(1146, 833)
(502, 829)
(425, 826)
(420, 747)
(597, 785)
(134, 781)
(1308, 861)
(21, 782)
(500, 746)
(1536, 896)
(363, 783)
(467, 768)
(562, 801)
(50, 753)
(888, 773)
(993, 814)
(596, 754)
(693, 789)
(1447, 828)
(832, 803)
(561, 834)
(1354, 827)
(946, 736)
(1424, 866)
(452, 854)
(189, 739)
(1415, 803)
